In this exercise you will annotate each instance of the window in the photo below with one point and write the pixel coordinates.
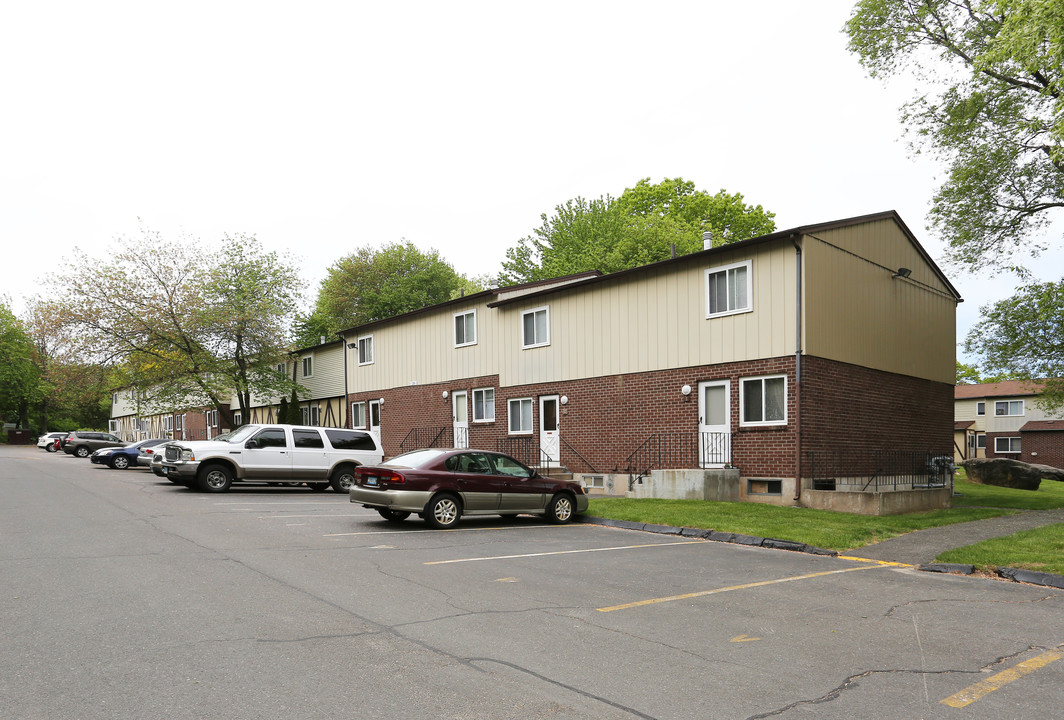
(307, 439)
(311, 415)
(271, 437)
(465, 328)
(476, 463)
(484, 405)
(980, 441)
(980, 408)
(168, 423)
(180, 425)
(595, 481)
(1006, 445)
(282, 370)
(763, 401)
(238, 419)
(535, 328)
(114, 398)
(1008, 407)
(308, 366)
(756, 486)
(728, 289)
(112, 425)
(365, 350)
(350, 439)
(212, 418)
(521, 415)
(358, 414)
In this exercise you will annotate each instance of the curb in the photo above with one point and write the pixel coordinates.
(713, 535)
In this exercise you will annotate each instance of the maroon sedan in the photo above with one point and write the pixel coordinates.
(442, 485)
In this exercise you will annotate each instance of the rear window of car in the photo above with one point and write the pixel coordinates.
(351, 440)
(416, 458)
(307, 439)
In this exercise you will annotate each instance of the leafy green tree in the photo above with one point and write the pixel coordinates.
(645, 224)
(1022, 337)
(190, 326)
(376, 283)
(994, 112)
(19, 374)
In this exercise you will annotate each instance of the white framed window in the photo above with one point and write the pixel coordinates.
(112, 426)
(212, 418)
(114, 398)
(365, 350)
(358, 414)
(311, 415)
(465, 328)
(484, 405)
(535, 327)
(980, 408)
(728, 289)
(595, 481)
(520, 416)
(980, 441)
(168, 423)
(282, 369)
(763, 400)
(1008, 407)
(238, 419)
(308, 366)
(1004, 445)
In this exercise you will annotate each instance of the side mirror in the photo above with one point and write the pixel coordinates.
(252, 444)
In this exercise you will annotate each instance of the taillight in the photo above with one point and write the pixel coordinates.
(394, 478)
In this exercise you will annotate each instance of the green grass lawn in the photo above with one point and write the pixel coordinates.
(1048, 496)
(822, 528)
(1040, 549)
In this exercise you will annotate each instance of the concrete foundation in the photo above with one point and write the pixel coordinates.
(721, 484)
(877, 503)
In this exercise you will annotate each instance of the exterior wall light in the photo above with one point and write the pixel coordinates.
(445, 393)
(381, 401)
(686, 392)
(902, 272)
(564, 400)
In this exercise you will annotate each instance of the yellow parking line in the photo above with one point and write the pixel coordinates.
(972, 693)
(745, 586)
(878, 562)
(564, 552)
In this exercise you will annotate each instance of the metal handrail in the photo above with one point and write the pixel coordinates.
(424, 437)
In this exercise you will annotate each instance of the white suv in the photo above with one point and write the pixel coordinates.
(318, 456)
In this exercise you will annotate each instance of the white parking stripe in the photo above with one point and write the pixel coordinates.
(427, 531)
(567, 552)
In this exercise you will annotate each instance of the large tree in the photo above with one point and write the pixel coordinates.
(993, 111)
(645, 224)
(19, 375)
(376, 283)
(187, 325)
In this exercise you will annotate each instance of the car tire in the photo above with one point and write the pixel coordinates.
(443, 511)
(215, 478)
(50, 447)
(119, 462)
(318, 487)
(395, 516)
(82, 451)
(343, 478)
(561, 509)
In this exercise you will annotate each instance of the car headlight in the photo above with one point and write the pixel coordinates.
(187, 455)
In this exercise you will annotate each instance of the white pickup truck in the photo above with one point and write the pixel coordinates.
(317, 456)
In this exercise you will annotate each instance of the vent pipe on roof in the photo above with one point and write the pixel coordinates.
(707, 240)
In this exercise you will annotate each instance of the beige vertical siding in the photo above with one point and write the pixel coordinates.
(855, 312)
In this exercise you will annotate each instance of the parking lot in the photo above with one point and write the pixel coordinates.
(128, 596)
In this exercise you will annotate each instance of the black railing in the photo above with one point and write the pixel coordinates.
(522, 449)
(573, 451)
(877, 470)
(427, 437)
(678, 451)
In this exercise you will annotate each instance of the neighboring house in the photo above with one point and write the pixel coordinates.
(798, 358)
(320, 370)
(1003, 420)
(134, 418)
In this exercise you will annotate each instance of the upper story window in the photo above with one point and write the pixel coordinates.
(763, 400)
(980, 408)
(308, 366)
(114, 398)
(365, 350)
(465, 328)
(728, 289)
(1008, 407)
(282, 370)
(535, 328)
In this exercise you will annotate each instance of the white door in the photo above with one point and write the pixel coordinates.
(714, 423)
(461, 419)
(375, 417)
(549, 438)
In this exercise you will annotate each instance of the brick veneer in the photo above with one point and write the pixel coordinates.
(607, 418)
(1041, 447)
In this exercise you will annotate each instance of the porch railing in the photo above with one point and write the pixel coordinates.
(681, 450)
(878, 470)
(427, 437)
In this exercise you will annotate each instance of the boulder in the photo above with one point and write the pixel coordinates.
(1049, 473)
(1003, 472)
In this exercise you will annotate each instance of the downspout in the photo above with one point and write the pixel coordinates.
(797, 369)
(347, 400)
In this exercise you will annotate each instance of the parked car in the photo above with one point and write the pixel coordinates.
(319, 456)
(121, 458)
(147, 451)
(442, 485)
(47, 442)
(83, 443)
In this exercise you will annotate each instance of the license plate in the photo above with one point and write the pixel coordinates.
(371, 480)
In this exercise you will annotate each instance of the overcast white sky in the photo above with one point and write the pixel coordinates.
(322, 127)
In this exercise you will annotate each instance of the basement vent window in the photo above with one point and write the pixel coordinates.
(764, 487)
(595, 481)
(823, 483)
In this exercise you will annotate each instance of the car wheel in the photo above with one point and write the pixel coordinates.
(343, 478)
(50, 447)
(318, 487)
(215, 478)
(443, 512)
(560, 510)
(393, 515)
(81, 451)
(120, 462)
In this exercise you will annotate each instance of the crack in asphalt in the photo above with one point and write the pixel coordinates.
(890, 612)
(851, 681)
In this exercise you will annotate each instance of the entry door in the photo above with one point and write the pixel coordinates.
(549, 437)
(461, 419)
(375, 417)
(714, 423)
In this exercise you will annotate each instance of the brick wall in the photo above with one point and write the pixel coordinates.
(1042, 448)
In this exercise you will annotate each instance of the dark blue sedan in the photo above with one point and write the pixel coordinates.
(121, 458)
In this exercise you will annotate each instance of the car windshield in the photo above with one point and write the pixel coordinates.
(415, 458)
(239, 435)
